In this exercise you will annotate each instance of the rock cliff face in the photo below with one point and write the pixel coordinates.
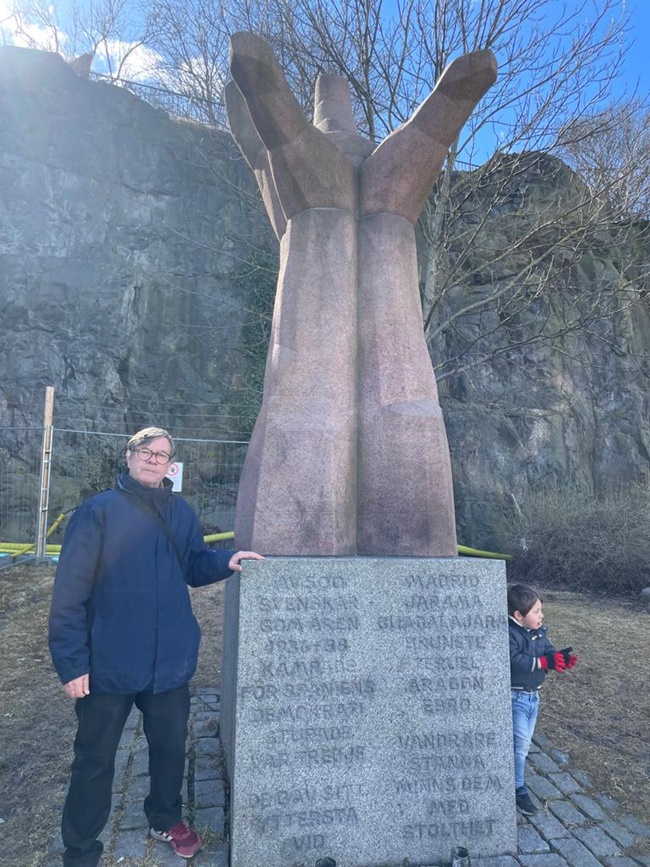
(125, 247)
(122, 240)
(543, 344)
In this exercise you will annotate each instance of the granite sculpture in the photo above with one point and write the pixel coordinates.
(349, 454)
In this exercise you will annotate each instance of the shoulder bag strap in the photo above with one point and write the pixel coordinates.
(154, 515)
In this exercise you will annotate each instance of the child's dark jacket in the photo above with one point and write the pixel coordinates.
(526, 646)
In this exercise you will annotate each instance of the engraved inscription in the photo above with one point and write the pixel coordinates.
(313, 734)
(299, 796)
(307, 668)
(303, 645)
(306, 819)
(312, 809)
(447, 740)
(308, 604)
(439, 752)
(448, 807)
(429, 581)
(448, 785)
(445, 762)
(308, 690)
(465, 620)
(446, 663)
(341, 623)
(316, 757)
(307, 842)
(303, 713)
(453, 830)
(468, 683)
(419, 602)
(318, 582)
(382, 687)
(444, 642)
(446, 706)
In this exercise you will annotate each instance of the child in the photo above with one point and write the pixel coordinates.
(531, 656)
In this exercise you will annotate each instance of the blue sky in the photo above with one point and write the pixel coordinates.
(638, 61)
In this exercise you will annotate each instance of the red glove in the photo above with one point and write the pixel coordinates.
(570, 659)
(553, 661)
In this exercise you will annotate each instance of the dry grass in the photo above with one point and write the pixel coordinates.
(37, 722)
(598, 712)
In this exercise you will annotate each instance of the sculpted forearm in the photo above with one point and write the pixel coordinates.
(349, 453)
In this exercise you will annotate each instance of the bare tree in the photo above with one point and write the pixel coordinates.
(522, 234)
(105, 30)
(38, 26)
(610, 149)
(558, 64)
(493, 257)
(192, 43)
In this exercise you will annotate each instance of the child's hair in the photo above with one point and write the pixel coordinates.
(521, 598)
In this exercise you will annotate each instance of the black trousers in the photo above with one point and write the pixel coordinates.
(101, 722)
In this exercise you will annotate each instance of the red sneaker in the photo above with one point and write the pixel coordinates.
(183, 840)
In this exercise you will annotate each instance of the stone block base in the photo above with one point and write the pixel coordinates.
(366, 711)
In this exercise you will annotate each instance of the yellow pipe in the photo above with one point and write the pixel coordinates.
(16, 548)
(23, 549)
(55, 525)
(474, 552)
(218, 537)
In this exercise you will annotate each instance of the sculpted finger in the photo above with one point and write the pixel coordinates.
(398, 176)
(274, 109)
(255, 153)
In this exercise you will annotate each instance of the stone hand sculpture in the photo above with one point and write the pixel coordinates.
(349, 454)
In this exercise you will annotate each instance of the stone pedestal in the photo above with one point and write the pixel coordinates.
(366, 711)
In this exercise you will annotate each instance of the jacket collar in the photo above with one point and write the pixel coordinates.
(513, 622)
(153, 496)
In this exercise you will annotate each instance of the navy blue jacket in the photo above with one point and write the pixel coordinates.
(526, 646)
(121, 607)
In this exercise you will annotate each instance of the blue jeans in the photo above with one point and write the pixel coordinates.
(525, 706)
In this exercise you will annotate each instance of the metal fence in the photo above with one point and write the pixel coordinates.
(83, 463)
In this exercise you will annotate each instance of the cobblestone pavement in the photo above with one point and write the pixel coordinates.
(575, 826)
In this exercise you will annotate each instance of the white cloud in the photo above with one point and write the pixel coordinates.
(135, 62)
(7, 22)
(28, 35)
(35, 36)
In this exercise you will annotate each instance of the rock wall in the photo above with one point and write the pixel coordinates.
(548, 382)
(126, 239)
(123, 238)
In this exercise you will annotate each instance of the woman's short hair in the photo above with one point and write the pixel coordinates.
(147, 435)
(521, 598)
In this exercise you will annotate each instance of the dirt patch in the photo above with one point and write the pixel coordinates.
(37, 722)
(598, 712)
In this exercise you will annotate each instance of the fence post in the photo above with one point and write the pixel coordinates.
(46, 463)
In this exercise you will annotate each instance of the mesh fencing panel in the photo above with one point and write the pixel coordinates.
(86, 462)
(20, 476)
